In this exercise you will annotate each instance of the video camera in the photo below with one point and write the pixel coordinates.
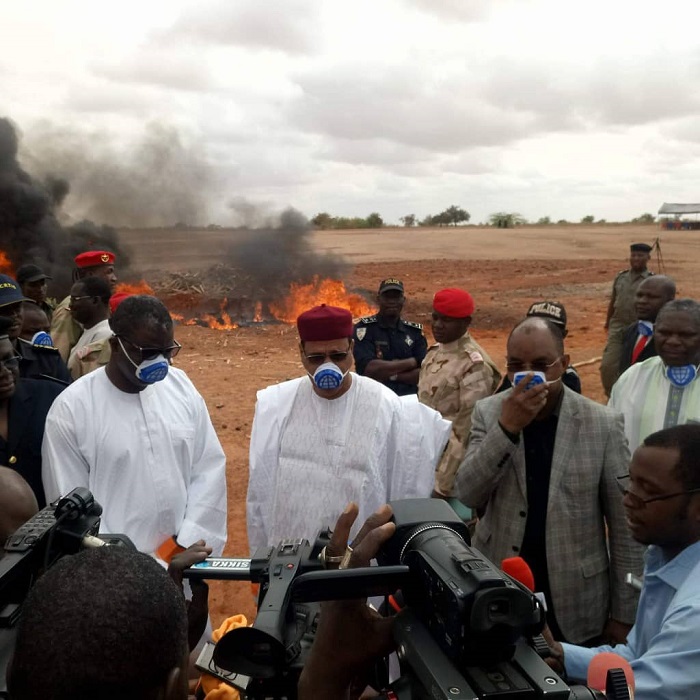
(468, 630)
(62, 528)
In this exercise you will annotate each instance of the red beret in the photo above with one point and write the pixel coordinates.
(94, 258)
(453, 302)
(325, 323)
(117, 299)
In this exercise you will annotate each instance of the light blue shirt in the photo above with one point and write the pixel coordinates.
(663, 647)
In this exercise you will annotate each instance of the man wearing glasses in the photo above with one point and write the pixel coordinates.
(138, 435)
(89, 306)
(24, 404)
(333, 436)
(662, 503)
(542, 462)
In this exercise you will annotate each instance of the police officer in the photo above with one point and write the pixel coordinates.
(387, 348)
(65, 330)
(35, 361)
(621, 312)
(32, 281)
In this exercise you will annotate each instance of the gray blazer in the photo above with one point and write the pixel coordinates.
(590, 450)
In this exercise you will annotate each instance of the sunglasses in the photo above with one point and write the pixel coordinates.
(317, 359)
(149, 353)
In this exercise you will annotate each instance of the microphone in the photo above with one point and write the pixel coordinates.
(517, 568)
(600, 678)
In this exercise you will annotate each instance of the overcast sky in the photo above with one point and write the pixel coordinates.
(542, 107)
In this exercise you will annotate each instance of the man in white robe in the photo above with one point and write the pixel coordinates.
(138, 435)
(321, 441)
(663, 391)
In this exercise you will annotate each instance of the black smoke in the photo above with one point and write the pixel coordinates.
(30, 231)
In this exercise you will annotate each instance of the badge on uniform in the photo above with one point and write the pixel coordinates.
(409, 340)
(361, 333)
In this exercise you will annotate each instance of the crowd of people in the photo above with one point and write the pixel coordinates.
(586, 494)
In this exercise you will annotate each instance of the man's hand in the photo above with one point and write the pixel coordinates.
(522, 405)
(350, 636)
(198, 607)
(615, 632)
(556, 660)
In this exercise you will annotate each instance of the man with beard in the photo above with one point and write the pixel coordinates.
(662, 502)
(32, 282)
(621, 310)
(541, 463)
(24, 404)
(332, 436)
(638, 338)
(36, 361)
(663, 391)
(65, 330)
(138, 435)
(455, 374)
(388, 348)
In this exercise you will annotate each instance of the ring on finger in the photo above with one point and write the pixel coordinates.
(346, 558)
(327, 559)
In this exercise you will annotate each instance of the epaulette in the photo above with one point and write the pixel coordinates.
(419, 326)
(43, 348)
(368, 319)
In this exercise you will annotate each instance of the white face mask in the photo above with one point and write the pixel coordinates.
(328, 376)
(149, 371)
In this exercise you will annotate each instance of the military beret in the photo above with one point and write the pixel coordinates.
(325, 323)
(453, 302)
(117, 299)
(94, 258)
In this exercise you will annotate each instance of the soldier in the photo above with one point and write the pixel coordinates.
(36, 361)
(387, 348)
(456, 373)
(64, 329)
(621, 311)
(89, 306)
(32, 281)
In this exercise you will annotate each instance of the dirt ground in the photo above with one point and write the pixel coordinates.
(504, 270)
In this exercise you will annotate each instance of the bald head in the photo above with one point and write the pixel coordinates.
(651, 295)
(17, 502)
(533, 326)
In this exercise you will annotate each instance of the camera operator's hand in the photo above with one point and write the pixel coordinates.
(556, 660)
(351, 636)
(198, 607)
(521, 406)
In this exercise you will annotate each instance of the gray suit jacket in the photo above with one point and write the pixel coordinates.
(590, 450)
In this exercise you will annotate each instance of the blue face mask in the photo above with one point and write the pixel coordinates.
(681, 376)
(328, 376)
(149, 371)
(43, 339)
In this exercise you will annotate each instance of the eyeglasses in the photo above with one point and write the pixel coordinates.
(11, 363)
(639, 502)
(86, 296)
(319, 358)
(149, 353)
(532, 367)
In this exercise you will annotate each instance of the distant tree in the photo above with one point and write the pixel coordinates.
(562, 222)
(427, 220)
(644, 219)
(408, 220)
(455, 215)
(504, 219)
(322, 220)
(588, 219)
(601, 221)
(374, 220)
(544, 221)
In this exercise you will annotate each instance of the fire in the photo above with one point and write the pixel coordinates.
(257, 316)
(6, 267)
(221, 323)
(141, 287)
(321, 291)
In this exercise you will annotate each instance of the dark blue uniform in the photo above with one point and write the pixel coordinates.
(374, 341)
(41, 362)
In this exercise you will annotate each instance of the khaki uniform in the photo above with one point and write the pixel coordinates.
(89, 358)
(453, 377)
(624, 292)
(65, 332)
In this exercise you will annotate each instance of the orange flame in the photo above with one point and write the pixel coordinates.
(257, 316)
(321, 291)
(223, 322)
(141, 287)
(6, 267)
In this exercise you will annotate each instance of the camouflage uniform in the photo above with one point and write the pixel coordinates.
(89, 358)
(65, 331)
(453, 377)
(624, 292)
